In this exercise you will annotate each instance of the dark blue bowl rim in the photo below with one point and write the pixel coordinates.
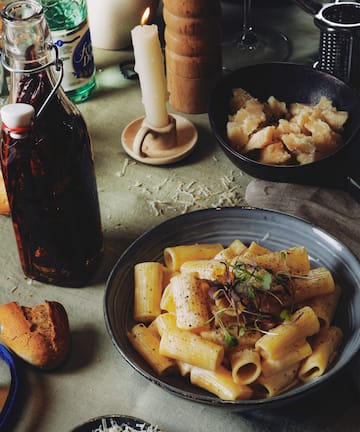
(8, 358)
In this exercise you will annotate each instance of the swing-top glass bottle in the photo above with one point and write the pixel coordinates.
(48, 167)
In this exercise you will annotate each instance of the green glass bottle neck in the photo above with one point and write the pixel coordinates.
(64, 14)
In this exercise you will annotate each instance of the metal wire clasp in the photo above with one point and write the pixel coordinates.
(57, 62)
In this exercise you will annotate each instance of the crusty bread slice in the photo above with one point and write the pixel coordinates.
(39, 335)
(4, 203)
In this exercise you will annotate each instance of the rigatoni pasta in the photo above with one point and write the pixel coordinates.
(163, 323)
(220, 383)
(175, 256)
(236, 248)
(325, 306)
(325, 348)
(190, 348)
(294, 354)
(190, 302)
(280, 382)
(148, 277)
(275, 344)
(318, 281)
(147, 344)
(238, 321)
(245, 365)
(205, 269)
(294, 260)
(167, 300)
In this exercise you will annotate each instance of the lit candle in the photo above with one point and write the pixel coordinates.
(149, 64)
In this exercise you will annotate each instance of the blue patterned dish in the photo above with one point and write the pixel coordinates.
(10, 363)
(114, 422)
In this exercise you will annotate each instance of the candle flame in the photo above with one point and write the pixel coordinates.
(145, 16)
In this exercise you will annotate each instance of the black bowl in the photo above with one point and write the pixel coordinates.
(271, 229)
(290, 83)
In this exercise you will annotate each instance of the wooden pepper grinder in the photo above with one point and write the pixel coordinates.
(192, 52)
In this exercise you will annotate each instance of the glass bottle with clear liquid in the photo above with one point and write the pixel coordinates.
(48, 166)
(69, 27)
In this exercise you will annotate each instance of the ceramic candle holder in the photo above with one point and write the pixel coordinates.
(159, 146)
(155, 142)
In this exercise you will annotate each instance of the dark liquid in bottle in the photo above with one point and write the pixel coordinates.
(52, 193)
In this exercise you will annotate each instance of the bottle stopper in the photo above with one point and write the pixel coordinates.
(17, 118)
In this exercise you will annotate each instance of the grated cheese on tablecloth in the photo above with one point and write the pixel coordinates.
(188, 196)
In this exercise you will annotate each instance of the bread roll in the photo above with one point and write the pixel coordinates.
(39, 335)
(4, 204)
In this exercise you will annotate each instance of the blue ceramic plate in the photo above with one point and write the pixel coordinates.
(9, 404)
(108, 421)
(271, 229)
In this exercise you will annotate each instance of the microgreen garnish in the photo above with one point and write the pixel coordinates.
(241, 331)
(249, 292)
(286, 315)
(230, 339)
(266, 282)
(292, 320)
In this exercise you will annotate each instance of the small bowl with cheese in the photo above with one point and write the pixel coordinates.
(287, 122)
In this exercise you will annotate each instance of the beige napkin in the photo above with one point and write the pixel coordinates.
(339, 214)
(333, 210)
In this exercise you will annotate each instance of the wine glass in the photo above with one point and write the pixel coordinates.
(253, 44)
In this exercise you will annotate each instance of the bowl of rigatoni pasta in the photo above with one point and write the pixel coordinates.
(239, 308)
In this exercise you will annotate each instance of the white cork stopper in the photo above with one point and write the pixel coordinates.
(17, 115)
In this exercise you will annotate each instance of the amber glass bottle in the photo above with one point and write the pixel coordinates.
(49, 169)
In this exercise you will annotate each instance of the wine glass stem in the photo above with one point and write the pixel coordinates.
(247, 36)
(246, 15)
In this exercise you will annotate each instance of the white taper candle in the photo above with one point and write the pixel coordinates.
(149, 64)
